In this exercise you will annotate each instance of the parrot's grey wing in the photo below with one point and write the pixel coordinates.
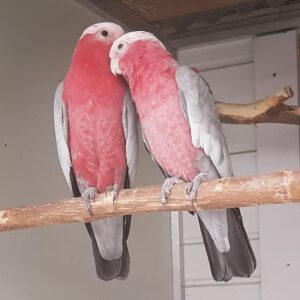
(61, 134)
(217, 226)
(129, 121)
(199, 107)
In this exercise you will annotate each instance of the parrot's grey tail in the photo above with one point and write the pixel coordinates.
(114, 268)
(240, 260)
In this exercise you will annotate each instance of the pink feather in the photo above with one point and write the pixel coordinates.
(155, 90)
(96, 137)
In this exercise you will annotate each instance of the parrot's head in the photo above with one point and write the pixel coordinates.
(92, 49)
(105, 32)
(132, 46)
(94, 44)
(91, 55)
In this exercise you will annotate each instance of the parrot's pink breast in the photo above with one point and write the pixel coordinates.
(165, 127)
(96, 136)
(97, 146)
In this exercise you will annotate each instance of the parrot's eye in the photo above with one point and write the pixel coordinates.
(120, 46)
(104, 33)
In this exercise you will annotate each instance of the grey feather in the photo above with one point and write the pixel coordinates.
(199, 107)
(200, 111)
(129, 121)
(109, 237)
(222, 228)
(61, 133)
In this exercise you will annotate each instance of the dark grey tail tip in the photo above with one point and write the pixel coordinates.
(121, 278)
(105, 278)
(230, 277)
(120, 275)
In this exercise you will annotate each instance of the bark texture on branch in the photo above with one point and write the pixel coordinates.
(279, 187)
(268, 110)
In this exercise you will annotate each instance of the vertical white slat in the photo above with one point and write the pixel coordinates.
(276, 65)
(176, 256)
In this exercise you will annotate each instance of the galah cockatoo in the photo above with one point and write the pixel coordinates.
(183, 134)
(95, 127)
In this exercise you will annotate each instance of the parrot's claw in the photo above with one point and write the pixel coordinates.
(88, 195)
(112, 193)
(167, 187)
(193, 186)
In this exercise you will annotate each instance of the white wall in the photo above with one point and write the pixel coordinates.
(279, 224)
(37, 38)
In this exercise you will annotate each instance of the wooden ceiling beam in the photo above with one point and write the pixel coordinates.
(158, 10)
(243, 28)
(130, 19)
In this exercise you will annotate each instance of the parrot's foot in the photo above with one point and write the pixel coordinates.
(167, 187)
(113, 192)
(193, 186)
(88, 195)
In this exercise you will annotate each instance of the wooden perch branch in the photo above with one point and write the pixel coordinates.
(268, 110)
(276, 188)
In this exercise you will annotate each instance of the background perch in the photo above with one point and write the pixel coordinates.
(268, 110)
(276, 188)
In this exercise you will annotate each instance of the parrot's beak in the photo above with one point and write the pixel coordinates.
(114, 66)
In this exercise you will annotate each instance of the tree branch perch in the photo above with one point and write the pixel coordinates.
(276, 188)
(268, 110)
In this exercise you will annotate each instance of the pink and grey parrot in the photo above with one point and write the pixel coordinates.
(95, 127)
(183, 134)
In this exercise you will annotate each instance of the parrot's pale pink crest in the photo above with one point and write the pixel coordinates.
(154, 90)
(96, 137)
